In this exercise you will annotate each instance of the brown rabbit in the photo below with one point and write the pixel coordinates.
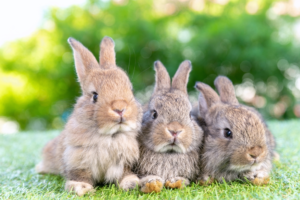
(170, 137)
(99, 141)
(237, 143)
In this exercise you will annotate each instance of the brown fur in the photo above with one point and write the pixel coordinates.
(155, 186)
(98, 144)
(248, 154)
(161, 160)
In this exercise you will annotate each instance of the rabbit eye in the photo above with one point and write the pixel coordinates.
(227, 133)
(154, 114)
(95, 97)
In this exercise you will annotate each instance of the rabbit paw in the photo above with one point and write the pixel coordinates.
(129, 182)
(80, 188)
(151, 184)
(258, 177)
(205, 181)
(177, 182)
(261, 181)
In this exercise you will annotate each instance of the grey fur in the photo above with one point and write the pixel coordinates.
(224, 158)
(173, 110)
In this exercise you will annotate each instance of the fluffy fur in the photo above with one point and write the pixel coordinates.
(248, 153)
(170, 137)
(99, 142)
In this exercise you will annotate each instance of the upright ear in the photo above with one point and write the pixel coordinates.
(181, 77)
(107, 53)
(202, 105)
(207, 98)
(226, 90)
(162, 78)
(84, 59)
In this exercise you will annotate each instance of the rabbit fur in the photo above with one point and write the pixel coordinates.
(99, 142)
(237, 142)
(170, 138)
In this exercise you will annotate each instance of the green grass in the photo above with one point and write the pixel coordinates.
(20, 152)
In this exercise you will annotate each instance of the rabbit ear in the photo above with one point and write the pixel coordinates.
(226, 90)
(202, 104)
(107, 53)
(208, 96)
(181, 77)
(162, 78)
(84, 59)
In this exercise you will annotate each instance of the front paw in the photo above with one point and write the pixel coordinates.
(80, 188)
(151, 184)
(177, 182)
(205, 180)
(129, 182)
(258, 177)
(261, 181)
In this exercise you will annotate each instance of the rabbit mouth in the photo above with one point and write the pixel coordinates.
(118, 127)
(170, 147)
(121, 120)
(254, 163)
(173, 148)
(174, 142)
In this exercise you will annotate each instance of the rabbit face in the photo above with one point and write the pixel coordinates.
(107, 103)
(237, 135)
(169, 123)
(116, 108)
(167, 126)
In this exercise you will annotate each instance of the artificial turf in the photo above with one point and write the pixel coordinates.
(20, 152)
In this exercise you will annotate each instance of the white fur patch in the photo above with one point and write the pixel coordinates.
(241, 168)
(115, 128)
(167, 147)
(106, 158)
(114, 172)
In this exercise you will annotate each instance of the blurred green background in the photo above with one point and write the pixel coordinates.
(256, 43)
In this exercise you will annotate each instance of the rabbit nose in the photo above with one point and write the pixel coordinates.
(120, 112)
(174, 133)
(255, 152)
(175, 128)
(119, 106)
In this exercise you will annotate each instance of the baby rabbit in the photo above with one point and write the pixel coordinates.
(170, 138)
(99, 142)
(237, 143)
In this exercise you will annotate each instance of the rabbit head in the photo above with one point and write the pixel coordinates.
(107, 102)
(235, 134)
(167, 125)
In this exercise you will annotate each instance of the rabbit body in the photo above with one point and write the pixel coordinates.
(237, 142)
(99, 141)
(170, 138)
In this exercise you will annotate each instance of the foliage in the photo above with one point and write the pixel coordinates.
(37, 76)
(18, 180)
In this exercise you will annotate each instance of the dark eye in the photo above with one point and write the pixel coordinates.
(227, 133)
(154, 114)
(95, 97)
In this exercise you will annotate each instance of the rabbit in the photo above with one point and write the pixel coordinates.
(237, 143)
(170, 138)
(99, 142)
